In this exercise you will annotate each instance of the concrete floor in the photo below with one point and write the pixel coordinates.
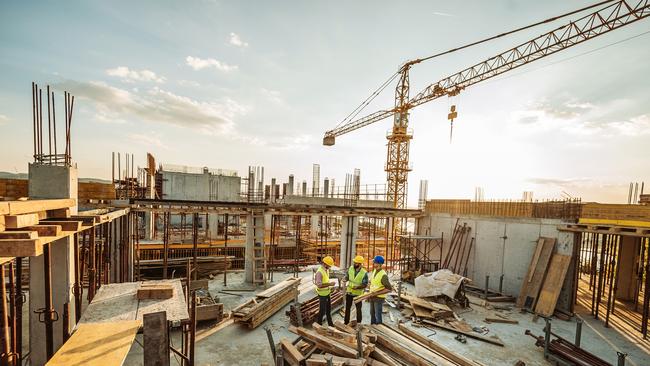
(237, 345)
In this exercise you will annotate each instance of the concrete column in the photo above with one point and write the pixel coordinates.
(313, 228)
(213, 224)
(254, 236)
(628, 259)
(349, 232)
(51, 182)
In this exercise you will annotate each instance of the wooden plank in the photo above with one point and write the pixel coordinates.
(291, 354)
(384, 357)
(21, 220)
(318, 359)
(324, 343)
(553, 284)
(405, 353)
(369, 295)
(442, 350)
(30, 206)
(3, 227)
(155, 339)
(4, 208)
(501, 320)
(279, 287)
(539, 264)
(66, 225)
(492, 340)
(97, 344)
(431, 305)
(19, 234)
(155, 291)
(20, 247)
(45, 230)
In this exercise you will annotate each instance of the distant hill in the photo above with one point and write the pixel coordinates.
(8, 175)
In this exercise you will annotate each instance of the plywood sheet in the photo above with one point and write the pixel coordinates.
(101, 344)
(552, 284)
(532, 281)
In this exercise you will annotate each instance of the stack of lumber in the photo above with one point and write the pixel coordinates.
(460, 249)
(266, 303)
(422, 308)
(541, 287)
(367, 345)
(309, 308)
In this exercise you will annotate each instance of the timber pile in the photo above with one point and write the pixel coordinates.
(367, 345)
(309, 308)
(266, 303)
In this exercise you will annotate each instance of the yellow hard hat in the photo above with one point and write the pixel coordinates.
(358, 259)
(328, 260)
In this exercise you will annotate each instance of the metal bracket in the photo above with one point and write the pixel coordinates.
(43, 313)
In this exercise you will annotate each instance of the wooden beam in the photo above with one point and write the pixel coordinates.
(459, 359)
(45, 230)
(22, 234)
(21, 220)
(156, 339)
(30, 206)
(65, 225)
(20, 247)
(492, 340)
(501, 320)
(323, 343)
(291, 354)
(158, 291)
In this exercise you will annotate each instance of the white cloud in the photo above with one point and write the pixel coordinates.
(272, 95)
(439, 13)
(296, 142)
(156, 105)
(151, 140)
(131, 76)
(198, 64)
(235, 40)
(3, 119)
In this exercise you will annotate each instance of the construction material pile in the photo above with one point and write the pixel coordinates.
(365, 345)
(266, 303)
(309, 308)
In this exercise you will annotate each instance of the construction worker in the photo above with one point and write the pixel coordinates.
(357, 279)
(324, 289)
(378, 281)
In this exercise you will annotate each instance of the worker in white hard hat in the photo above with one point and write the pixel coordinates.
(324, 289)
(357, 280)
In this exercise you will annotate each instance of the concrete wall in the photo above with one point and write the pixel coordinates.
(328, 201)
(200, 187)
(503, 246)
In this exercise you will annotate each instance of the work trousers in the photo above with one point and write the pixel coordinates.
(349, 300)
(376, 304)
(325, 308)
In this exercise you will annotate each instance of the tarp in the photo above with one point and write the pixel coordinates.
(442, 282)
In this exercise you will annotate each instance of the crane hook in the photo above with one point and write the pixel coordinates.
(452, 114)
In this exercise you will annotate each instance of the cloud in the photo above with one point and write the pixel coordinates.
(3, 119)
(156, 105)
(198, 64)
(131, 76)
(439, 13)
(150, 139)
(272, 95)
(235, 40)
(296, 142)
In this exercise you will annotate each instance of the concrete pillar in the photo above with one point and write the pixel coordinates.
(213, 225)
(349, 232)
(51, 182)
(254, 237)
(313, 228)
(628, 259)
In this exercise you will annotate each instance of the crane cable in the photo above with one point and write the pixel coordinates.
(383, 86)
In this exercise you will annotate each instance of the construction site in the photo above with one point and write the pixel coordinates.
(159, 262)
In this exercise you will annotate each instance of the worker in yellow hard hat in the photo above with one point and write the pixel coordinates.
(324, 289)
(357, 280)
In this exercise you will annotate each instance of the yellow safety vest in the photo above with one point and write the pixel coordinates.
(354, 281)
(375, 282)
(325, 279)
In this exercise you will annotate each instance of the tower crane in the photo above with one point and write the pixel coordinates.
(614, 15)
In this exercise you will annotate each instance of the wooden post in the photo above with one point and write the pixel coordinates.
(156, 339)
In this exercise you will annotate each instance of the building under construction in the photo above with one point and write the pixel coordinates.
(176, 264)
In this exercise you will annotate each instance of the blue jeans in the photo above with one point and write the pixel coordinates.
(376, 305)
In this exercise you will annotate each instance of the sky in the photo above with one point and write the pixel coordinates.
(229, 84)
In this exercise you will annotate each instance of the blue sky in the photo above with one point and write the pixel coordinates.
(227, 84)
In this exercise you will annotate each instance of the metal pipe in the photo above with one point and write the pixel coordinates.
(193, 329)
(487, 285)
(54, 125)
(66, 322)
(76, 287)
(620, 358)
(547, 336)
(34, 117)
(6, 347)
(19, 310)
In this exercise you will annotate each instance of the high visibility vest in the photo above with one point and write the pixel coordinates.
(325, 279)
(375, 282)
(354, 281)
